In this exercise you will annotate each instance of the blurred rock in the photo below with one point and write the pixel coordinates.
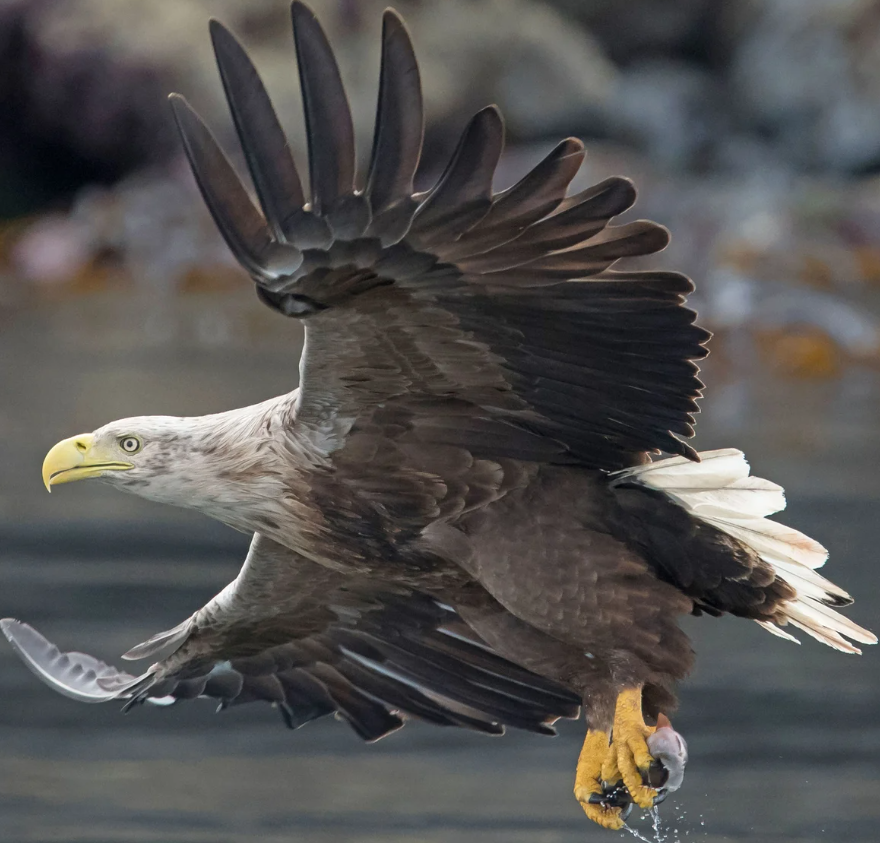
(636, 30)
(803, 352)
(150, 232)
(542, 72)
(795, 80)
(807, 73)
(706, 85)
(669, 109)
(53, 250)
(71, 112)
(83, 83)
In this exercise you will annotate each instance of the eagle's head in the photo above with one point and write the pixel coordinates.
(133, 453)
(203, 462)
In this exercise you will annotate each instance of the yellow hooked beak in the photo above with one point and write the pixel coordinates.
(75, 459)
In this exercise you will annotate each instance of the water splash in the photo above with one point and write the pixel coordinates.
(659, 835)
(666, 833)
(635, 834)
(656, 824)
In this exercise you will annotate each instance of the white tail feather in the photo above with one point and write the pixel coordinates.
(719, 491)
(777, 631)
(716, 470)
(826, 636)
(808, 582)
(770, 538)
(748, 494)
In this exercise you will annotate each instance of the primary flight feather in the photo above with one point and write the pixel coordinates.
(455, 516)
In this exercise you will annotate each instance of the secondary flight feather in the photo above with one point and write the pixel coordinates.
(456, 515)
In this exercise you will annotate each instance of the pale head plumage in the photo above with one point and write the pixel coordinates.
(231, 466)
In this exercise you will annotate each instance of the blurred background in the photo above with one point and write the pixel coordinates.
(752, 130)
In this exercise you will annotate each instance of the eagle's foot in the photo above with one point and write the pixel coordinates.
(588, 786)
(639, 765)
(630, 748)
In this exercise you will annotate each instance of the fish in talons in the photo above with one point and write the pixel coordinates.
(665, 774)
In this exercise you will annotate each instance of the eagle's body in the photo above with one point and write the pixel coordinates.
(236, 467)
(455, 516)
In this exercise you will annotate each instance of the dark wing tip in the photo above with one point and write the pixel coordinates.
(305, 22)
(262, 138)
(222, 38)
(689, 452)
(399, 127)
(644, 237)
(625, 192)
(492, 116)
(241, 224)
(570, 146)
(301, 10)
(329, 127)
(215, 27)
(661, 237)
(392, 22)
(225, 43)
(632, 239)
(463, 194)
(187, 118)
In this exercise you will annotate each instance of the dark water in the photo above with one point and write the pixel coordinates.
(785, 740)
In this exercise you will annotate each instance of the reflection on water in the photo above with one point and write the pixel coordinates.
(783, 739)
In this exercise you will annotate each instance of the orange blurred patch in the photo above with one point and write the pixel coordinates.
(816, 272)
(801, 352)
(868, 262)
(212, 279)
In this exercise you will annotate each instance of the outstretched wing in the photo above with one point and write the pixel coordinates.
(487, 324)
(313, 642)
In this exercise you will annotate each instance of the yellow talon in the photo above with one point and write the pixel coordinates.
(588, 779)
(610, 770)
(630, 742)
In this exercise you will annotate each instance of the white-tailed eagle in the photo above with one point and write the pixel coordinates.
(456, 516)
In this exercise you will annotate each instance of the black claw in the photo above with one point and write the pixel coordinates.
(612, 796)
(616, 795)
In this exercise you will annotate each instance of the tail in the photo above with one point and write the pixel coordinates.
(719, 491)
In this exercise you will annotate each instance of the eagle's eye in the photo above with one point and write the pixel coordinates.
(130, 444)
